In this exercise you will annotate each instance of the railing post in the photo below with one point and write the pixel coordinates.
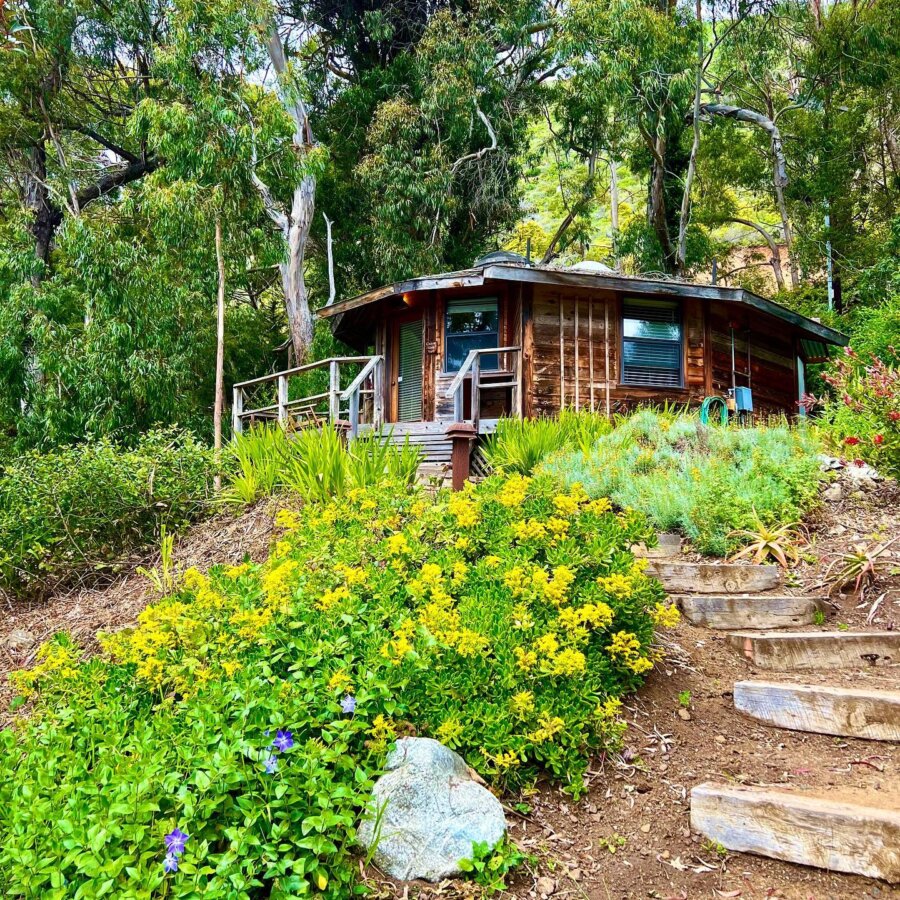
(334, 392)
(282, 399)
(237, 410)
(378, 395)
(517, 409)
(462, 436)
(458, 403)
(354, 413)
(476, 391)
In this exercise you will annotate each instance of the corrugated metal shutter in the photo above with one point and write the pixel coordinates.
(410, 387)
(651, 343)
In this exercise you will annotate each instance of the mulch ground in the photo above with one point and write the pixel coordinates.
(629, 836)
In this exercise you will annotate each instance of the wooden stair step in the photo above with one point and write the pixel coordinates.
(848, 712)
(715, 578)
(735, 611)
(789, 650)
(842, 830)
(668, 547)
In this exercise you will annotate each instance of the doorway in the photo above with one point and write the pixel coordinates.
(407, 372)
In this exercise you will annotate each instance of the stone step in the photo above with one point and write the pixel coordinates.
(715, 578)
(789, 650)
(848, 712)
(841, 830)
(668, 547)
(757, 611)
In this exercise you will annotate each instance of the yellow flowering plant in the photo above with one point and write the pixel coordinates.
(419, 614)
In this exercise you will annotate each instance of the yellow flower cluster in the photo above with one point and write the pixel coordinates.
(235, 572)
(514, 491)
(449, 730)
(396, 649)
(463, 509)
(523, 703)
(333, 597)
(55, 663)
(617, 584)
(665, 616)
(627, 647)
(529, 530)
(250, 622)
(548, 727)
(287, 519)
(600, 506)
(381, 733)
(278, 585)
(397, 545)
(341, 682)
(352, 575)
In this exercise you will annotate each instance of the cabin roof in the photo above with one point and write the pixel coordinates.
(816, 332)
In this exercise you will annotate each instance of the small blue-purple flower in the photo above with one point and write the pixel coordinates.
(348, 705)
(284, 740)
(175, 841)
(271, 765)
(170, 863)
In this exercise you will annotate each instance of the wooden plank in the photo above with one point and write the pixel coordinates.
(732, 612)
(843, 831)
(715, 578)
(849, 712)
(789, 650)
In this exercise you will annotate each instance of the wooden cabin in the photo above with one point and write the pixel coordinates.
(506, 338)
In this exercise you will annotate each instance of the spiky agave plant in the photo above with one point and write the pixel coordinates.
(862, 565)
(763, 542)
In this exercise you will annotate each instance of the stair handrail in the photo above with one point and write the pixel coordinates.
(472, 363)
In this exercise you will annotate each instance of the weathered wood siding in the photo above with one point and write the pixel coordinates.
(771, 371)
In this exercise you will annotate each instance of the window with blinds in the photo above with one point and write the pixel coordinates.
(470, 325)
(651, 343)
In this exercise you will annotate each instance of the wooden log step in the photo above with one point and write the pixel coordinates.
(668, 547)
(789, 650)
(844, 831)
(849, 712)
(735, 611)
(715, 578)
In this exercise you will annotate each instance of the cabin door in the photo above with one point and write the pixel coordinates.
(408, 372)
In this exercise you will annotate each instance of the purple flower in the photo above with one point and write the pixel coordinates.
(284, 740)
(175, 842)
(348, 705)
(170, 863)
(271, 765)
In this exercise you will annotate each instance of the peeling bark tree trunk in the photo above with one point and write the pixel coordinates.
(294, 226)
(775, 260)
(779, 166)
(45, 215)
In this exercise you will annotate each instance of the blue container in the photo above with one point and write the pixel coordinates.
(743, 399)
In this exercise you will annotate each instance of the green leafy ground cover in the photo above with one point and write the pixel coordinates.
(704, 482)
(251, 708)
(76, 510)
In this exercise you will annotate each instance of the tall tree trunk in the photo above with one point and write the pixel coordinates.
(45, 215)
(294, 226)
(656, 204)
(614, 208)
(220, 355)
(685, 215)
(775, 259)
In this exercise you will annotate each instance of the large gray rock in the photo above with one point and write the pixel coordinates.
(427, 812)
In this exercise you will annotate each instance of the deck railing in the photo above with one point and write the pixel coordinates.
(268, 398)
(510, 375)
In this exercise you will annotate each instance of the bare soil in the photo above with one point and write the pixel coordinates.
(629, 836)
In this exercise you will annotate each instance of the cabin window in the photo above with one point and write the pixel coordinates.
(470, 325)
(651, 343)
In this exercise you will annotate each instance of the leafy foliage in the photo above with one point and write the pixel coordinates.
(74, 511)
(705, 482)
(505, 621)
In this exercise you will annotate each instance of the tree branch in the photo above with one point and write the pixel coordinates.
(469, 157)
(118, 178)
(761, 121)
(104, 142)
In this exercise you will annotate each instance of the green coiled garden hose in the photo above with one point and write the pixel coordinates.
(706, 407)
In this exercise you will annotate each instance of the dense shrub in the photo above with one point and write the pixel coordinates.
(505, 621)
(862, 420)
(702, 481)
(75, 510)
